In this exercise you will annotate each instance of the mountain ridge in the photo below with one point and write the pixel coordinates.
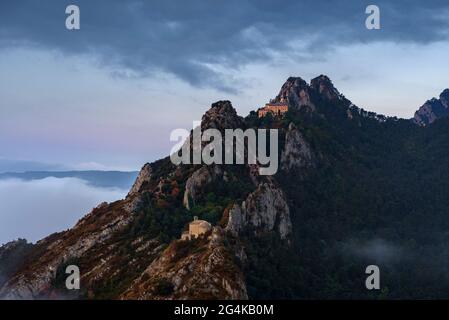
(347, 179)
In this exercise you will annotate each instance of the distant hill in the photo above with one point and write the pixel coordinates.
(104, 179)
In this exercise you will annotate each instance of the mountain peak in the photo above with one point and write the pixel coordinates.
(297, 81)
(221, 115)
(325, 87)
(433, 109)
(444, 97)
(298, 93)
(321, 79)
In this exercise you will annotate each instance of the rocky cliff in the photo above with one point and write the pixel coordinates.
(433, 110)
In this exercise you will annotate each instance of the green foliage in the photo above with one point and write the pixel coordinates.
(220, 194)
(272, 268)
(164, 223)
(377, 194)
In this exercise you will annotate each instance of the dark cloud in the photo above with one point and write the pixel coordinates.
(186, 38)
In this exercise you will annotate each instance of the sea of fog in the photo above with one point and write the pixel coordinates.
(33, 209)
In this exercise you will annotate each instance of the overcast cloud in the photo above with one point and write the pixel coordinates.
(197, 41)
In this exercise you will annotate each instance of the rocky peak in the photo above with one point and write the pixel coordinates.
(324, 86)
(221, 115)
(297, 82)
(433, 110)
(296, 92)
(444, 98)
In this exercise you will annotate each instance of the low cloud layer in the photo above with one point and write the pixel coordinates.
(35, 209)
(375, 250)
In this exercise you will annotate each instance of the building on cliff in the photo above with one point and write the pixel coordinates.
(196, 228)
(275, 108)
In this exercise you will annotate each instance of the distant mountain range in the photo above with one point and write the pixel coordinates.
(103, 179)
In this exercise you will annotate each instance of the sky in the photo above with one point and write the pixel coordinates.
(108, 95)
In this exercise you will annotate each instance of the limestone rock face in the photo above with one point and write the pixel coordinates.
(433, 110)
(197, 181)
(236, 220)
(296, 153)
(297, 93)
(199, 269)
(264, 210)
(143, 177)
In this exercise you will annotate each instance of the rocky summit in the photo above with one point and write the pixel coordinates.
(353, 188)
(433, 109)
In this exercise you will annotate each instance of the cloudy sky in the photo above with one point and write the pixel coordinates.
(108, 95)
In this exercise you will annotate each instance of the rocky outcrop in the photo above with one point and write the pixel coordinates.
(199, 269)
(264, 210)
(301, 96)
(297, 93)
(34, 280)
(197, 181)
(237, 220)
(296, 153)
(325, 88)
(134, 200)
(143, 178)
(221, 116)
(433, 110)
